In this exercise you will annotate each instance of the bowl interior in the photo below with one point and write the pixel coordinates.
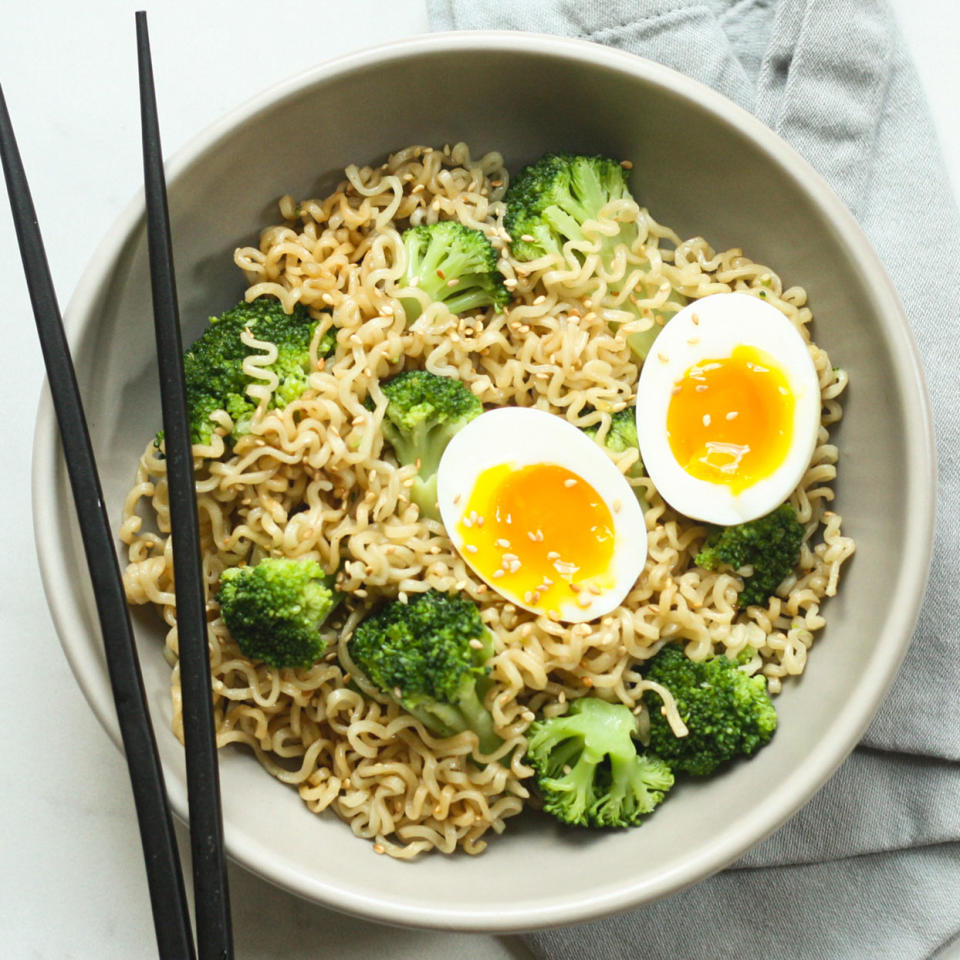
(702, 166)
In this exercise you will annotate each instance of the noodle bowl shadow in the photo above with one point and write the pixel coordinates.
(704, 167)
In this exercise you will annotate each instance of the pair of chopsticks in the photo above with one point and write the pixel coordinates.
(164, 876)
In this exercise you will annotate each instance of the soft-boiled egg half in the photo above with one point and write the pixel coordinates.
(728, 408)
(541, 513)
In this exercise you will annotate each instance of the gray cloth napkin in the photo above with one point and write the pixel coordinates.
(870, 868)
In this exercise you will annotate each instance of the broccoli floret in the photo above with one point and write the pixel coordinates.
(622, 436)
(770, 544)
(727, 713)
(429, 655)
(274, 610)
(451, 264)
(213, 364)
(548, 204)
(587, 768)
(424, 412)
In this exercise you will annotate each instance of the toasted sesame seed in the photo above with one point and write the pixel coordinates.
(693, 341)
(379, 848)
(466, 521)
(528, 597)
(583, 601)
(456, 498)
(553, 615)
(496, 183)
(479, 521)
(616, 506)
(662, 357)
(441, 274)
(695, 319)
(626, 164)
(594, 589)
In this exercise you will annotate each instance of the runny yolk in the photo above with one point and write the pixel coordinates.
(730, 419)
(540, 533)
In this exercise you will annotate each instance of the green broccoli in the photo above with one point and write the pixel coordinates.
(424, 412)
(429, 655)
(213, 364)
(622, 436)
(587, 768)
(548, 204)
(274, 610)
(770, 544)
(451, 264)
(727, 713)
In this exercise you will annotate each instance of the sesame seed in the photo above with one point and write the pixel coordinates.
(460, 585)
(470, 548)
(476, 644)
(397, 693)
(732, 415)
(662, 357)
(479, 521)
(594, 589)
(496, 183)
(453, 282)
(693, 341)
(695, 319)
(587, 681)
(583, 601)
(466, 521)
(498, 573)
(379, 848)
(553, 615)
(626, 164)
(553, 555)
(526, 238)
(574, 587)
(538, 300)
(510, 283)
(528, 597)
(503, 544)
(456, 498)
(616, 506)
(570, 483)
(706, 419)
(441, 274)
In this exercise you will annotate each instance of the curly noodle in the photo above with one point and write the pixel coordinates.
(313, 480)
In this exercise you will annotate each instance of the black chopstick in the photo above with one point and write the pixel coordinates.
(211, 896)
(170, 915)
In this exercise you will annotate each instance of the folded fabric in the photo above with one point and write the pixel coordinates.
(871, 866)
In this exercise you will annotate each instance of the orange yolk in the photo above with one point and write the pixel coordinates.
(540, 533)
(730, 420)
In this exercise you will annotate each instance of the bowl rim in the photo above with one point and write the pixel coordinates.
(850, 722)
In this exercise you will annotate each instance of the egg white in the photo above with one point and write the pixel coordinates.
(711, 328)
(521, 437)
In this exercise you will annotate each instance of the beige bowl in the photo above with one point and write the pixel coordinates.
(702, 165)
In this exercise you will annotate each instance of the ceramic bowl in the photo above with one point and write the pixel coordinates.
(703, 166)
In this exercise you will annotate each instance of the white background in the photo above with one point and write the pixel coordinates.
(71, 880)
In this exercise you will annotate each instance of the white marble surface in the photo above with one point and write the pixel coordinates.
(71, 880)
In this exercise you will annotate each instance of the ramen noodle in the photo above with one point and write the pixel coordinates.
(316, 480)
